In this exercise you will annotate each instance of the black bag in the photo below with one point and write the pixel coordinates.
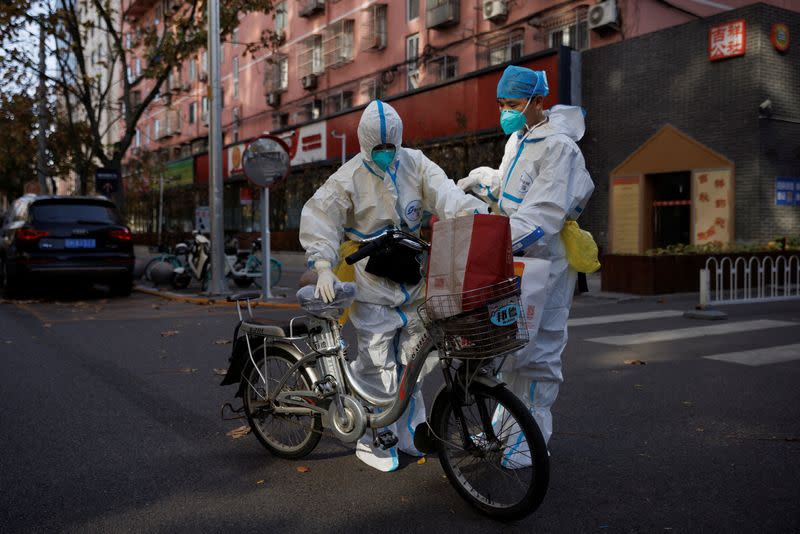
(397, 262)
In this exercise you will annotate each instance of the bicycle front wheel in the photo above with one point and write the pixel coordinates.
(492, 451)
(284, 435)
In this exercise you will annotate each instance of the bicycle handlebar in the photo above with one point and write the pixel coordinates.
(370, 247)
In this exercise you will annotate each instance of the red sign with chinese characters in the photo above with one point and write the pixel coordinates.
(727, 40)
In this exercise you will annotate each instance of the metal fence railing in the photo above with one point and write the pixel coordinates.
(748, 280)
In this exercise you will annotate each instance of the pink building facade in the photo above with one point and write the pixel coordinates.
(436, 60)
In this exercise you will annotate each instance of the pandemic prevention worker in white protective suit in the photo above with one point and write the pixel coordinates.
(385, 185)
(542, 181)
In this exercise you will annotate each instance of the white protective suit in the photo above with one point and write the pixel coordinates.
(542, 181)
(358, 202)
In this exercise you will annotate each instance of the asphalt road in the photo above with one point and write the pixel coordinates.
(108, 425)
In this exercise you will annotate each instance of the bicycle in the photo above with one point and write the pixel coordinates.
(296, 386)
(245, 269)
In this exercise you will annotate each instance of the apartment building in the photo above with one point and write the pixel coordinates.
(436, 61)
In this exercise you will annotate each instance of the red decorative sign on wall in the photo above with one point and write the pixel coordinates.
(727, 40)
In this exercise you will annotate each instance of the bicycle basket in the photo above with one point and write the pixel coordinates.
(477, 324)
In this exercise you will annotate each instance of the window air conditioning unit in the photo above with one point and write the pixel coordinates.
(309, 82)
(602, 15)
(494, 10)
(274, 99)
(203, 76)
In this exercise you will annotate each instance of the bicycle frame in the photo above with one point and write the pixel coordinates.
(333, 363)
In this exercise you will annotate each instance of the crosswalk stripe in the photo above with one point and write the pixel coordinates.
(686, 333)
(623, 317)
(756, 357)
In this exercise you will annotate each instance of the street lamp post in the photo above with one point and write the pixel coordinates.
(215, 153)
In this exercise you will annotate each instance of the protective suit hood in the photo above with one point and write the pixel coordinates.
(379, 124)
(566, 120)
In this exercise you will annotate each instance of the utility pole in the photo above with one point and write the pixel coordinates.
(41, 156)
(216, 286)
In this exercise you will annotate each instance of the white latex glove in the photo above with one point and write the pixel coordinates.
(325, 281)
(480, 176)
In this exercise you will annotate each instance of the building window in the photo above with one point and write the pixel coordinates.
(204, 66)
(235, 68)
(192, 112)
(157, 129)
(312, 110)
(372, 89)
(138, 138)
(574, 36)
(502, 48)
(276, 74)
(280, 120)
(280, 17)
(340, 101)
(129, 71)
(373, 32)
(234, 37)
(443, 68)
(138, 66)
(309, 58)
(205, 109)
(159, 13)
(412, 9)
(338, 44)
(128, 40)
(192, 69)
(412, 65)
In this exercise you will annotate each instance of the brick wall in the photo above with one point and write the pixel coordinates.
(634, 87)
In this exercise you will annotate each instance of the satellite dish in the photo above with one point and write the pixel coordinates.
(266, 161)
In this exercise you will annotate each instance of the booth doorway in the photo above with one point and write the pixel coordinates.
(671, 208)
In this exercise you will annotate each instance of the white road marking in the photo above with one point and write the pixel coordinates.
(756, 357)
(624, 317)
(686, 333)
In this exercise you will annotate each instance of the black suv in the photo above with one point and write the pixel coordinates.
(75, 237)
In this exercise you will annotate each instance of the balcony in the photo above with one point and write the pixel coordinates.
(442, 14)
(309, 8)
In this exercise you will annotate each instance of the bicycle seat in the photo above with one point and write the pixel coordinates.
(345, 293)
(262, 327)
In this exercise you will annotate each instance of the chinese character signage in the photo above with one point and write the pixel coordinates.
(712, 202)
(727, 40)
(787, 191)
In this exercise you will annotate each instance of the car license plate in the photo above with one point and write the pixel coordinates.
(79, 243)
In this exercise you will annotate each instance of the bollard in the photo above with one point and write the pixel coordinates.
(705, 278)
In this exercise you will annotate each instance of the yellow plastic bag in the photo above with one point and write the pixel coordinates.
(580, 248)
(344, 272)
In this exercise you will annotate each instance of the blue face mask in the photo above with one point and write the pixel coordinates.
(383, 157)
(512, 120)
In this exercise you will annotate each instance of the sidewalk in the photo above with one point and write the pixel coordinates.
(292, 267)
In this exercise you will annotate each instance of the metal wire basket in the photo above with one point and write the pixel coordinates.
(477, 324)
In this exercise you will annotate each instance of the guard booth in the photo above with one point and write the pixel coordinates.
(671, 190)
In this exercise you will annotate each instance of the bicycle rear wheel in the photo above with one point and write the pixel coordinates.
(284, 435)
(498, 459)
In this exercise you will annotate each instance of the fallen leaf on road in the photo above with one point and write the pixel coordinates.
(168, 333)
(222, 342)
(638, 386)
(303, 469)
(47, 325)
(634, 362)
(688, 403)
(421, 461)
(403, 499)
(699, 429)
(259, 481)
(9, 342)
(155, 306)
(219, 371)
(239, 432)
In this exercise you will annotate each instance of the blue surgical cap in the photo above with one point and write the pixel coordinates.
(519, 82)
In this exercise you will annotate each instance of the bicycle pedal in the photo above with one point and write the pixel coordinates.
(385, 440)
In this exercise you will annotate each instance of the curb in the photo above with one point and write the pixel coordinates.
(175, 297)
